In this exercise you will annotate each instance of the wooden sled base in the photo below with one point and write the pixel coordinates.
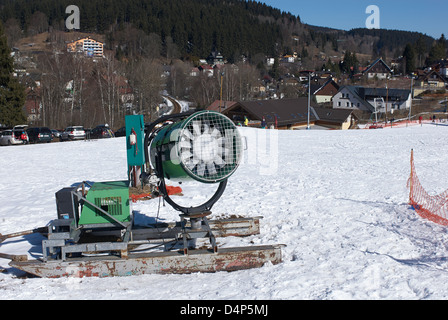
(226, 259)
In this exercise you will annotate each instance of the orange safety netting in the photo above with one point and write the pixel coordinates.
(170, 190)
(433, 208)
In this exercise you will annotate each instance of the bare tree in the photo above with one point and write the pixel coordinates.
(248, 76)
(55, 96)
(13, 31)
(177, 81)
(145, 77)
(38, 23)
(110, 81)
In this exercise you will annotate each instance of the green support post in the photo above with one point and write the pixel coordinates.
(135, 137)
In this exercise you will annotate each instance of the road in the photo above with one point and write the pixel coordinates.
(176, 106)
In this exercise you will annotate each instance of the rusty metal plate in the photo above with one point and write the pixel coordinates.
(226, 259)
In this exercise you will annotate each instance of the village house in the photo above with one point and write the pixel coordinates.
(215, 58)
(194, 72)
(206, 69)
(87, 46)
(324, 93)
(372, 99)
(33, 104)
(441, 67)
(288, 58)
(430, 80)
(259, 88)
(377, 70)
(342, 119)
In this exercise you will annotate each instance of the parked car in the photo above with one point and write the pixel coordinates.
(120, 132)
(73, 133)
(39, 134)
(56, 133)
(102, 131)
(10, 137)
(88, 132)
(20, 132)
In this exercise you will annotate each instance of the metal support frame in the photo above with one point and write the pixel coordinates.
(199, 228)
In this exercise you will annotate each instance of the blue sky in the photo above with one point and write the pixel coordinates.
(428, 16)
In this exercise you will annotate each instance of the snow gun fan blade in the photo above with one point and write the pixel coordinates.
(210, 147)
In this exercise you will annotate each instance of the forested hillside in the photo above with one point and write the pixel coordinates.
(196, 27)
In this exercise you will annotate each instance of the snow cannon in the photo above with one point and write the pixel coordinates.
(96, 233)
(206, 147)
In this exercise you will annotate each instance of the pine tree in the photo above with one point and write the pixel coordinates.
(420, 49)
(409, 56)
(12, 94)
(438, 51)
(350, 63)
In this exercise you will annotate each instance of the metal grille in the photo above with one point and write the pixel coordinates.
(209, 146)
(110, 204)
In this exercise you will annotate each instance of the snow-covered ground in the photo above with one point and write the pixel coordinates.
(336, 199)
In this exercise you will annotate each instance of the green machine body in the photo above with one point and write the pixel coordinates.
(107, 203)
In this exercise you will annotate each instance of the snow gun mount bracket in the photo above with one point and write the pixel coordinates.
(95, 234)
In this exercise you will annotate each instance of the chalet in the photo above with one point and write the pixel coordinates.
(215, 58)
(431, 80)
(33, 100)
(288, 58)
(443, 69)
(325, 92)
(87, 46)
(194, 72)
(342, 119)
(33, 104)
(259, 88)
(369, 99)
(378, 69)
(282, 114)
(289, 114)
(206, 69)
(440, 67)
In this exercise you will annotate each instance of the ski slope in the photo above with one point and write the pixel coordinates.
(336, 199)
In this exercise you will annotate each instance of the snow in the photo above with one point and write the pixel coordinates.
(336, 199)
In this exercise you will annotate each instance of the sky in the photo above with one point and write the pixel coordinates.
(428, 17)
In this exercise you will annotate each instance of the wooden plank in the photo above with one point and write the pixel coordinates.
(14, 257)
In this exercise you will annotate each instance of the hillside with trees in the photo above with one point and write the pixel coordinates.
(195, 27)
(153, 46)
